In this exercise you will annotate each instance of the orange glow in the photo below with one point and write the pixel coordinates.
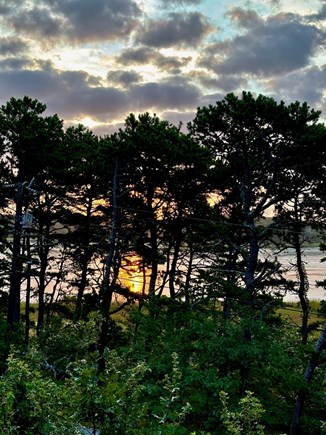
(213, 198)
(131, 274)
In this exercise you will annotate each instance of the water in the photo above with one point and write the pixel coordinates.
(316, 271)
(132, 277)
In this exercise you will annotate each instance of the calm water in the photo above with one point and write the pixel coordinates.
(133, 278)
(315, 270)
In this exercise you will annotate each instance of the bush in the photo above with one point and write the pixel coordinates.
(31, 402)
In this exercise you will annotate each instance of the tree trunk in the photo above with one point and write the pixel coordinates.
(85, 259)
(313, 363)
(173, 269)
(252, 262)
(303, 287)
(28, 286)
(107, 288)
(189, 271)
(154, 245)
(303, 280)
(43, 253)
(15, 275)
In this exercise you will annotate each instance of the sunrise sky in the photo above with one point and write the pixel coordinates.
(95, 61)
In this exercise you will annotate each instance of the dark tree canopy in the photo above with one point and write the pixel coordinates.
(152, 259)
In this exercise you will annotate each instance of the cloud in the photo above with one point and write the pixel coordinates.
(320, 15)
(171, 64)
(227, 83)
(107, 128)
(68, 93)
(245, 18)
(123, 78)
(13, 63)
(168, 3)
(278, 45)
(167, 95)
(76, 94)
(179, 117)
(178, 29)
(7, 7)
(208, 99)
(146, 56)
(38, 21)
(77, 21)
(102, 104)
(117, 49)
(297, 86)
(12, 46)
(136, 56)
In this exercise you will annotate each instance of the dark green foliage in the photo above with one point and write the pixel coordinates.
(322, 309)
(167, 377)
(201, 350)
(32, 141)
(32, 402)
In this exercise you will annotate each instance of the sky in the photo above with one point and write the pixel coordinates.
(95, 61)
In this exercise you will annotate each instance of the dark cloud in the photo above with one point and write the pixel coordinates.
(123, 78)
(227, 83)
(277, 45)
(69, 94)
(36, 84)
(136, 56)
(72, 95)
(107, 128)
(275, 3)
(100, 103)
(12, 46)
(77, 20)
(179, 117)
(271, 54)
(298, 86)
(7, 7)
(208, 99)
(37, 21)
(168, 3)
(178, 29)
(13, 63)
(146, 55)
(171, 64)
(320, 15)
(166, 95)
(245, 18)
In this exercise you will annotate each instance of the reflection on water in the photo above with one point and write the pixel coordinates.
(131, 274)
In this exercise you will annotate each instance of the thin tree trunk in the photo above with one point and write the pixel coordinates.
(43, 252)
(41, 302)
(85, 260)
(51, 301)
(188, 275)
(28, 287)
(252, 262)
(154, 260)
(313, 363)
(173, 270)
(107, 287)
(15, 275)
(153, 242)
(302, 291)
(303, 280)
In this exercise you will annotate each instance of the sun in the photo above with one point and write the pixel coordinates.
(88, 122)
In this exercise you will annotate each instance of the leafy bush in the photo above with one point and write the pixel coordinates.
(246, 419)
(31, 402)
